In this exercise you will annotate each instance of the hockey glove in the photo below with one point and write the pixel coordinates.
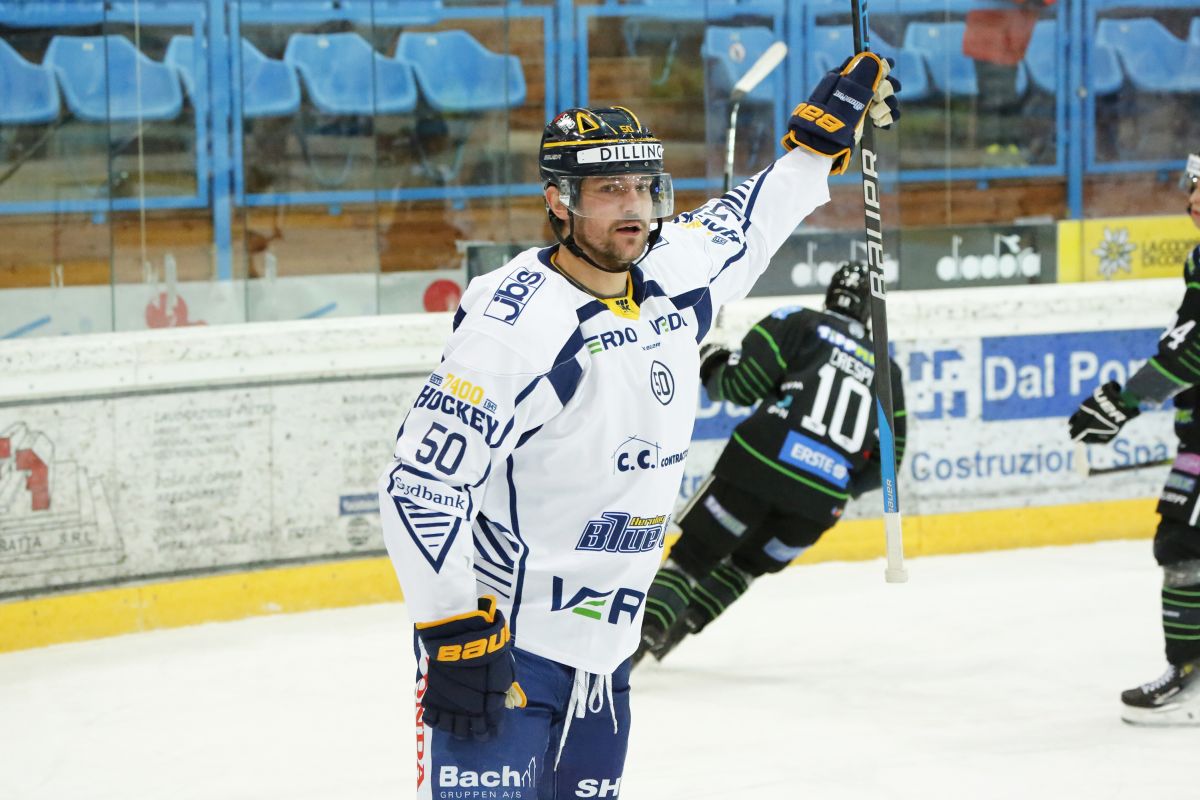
(1099, 418)
(470, 678)
(712, 358)
(831, 122)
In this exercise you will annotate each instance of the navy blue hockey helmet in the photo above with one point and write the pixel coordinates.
(849, 292)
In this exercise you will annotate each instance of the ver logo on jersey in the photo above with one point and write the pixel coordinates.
(591, 603)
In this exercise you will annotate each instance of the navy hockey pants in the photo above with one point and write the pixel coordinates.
(519, 762)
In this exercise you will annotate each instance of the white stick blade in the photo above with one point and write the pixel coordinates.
(768, 61)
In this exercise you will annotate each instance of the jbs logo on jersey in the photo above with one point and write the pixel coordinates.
(618, 532)
(473, 417)
(592, 604)
(513, 295)
(609, 340)
(597, 787)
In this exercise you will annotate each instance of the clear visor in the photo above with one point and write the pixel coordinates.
(1191, 174)
(642, 197)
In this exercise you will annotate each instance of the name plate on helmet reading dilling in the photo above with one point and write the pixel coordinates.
(619, 152)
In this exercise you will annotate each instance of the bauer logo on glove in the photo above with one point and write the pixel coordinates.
(831, 121)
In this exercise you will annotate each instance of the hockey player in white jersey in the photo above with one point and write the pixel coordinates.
(535, 474)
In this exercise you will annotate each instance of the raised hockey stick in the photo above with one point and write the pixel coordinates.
(767, 62)
(873, 221)
(1085, 470)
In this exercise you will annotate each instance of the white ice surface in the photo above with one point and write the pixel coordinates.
(986, 676)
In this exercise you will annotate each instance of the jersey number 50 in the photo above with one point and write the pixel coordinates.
(447, 454)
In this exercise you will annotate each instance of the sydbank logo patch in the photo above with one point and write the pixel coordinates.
(597, 605)
(431, 512)
(513, 295)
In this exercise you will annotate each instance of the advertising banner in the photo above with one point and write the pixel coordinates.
(1125, 248)
(150, 476)
(919, 258)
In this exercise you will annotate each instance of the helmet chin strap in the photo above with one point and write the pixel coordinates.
(575, 250)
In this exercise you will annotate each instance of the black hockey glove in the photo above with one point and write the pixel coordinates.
(712, 356)
(470, 678)
(831, 122)
(1099, 418)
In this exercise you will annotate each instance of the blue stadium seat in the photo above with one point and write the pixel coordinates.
(941, 44)
(833, 44)
(28, 92)
(270, 88)
(180, 57)
(457, 74)
(1041, 58)
(336, 70)
(733, 51)
(1194, 33)
(1153, 59)
(1104, 70)
(100, 86)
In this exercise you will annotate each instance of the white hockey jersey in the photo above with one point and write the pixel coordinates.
(541, 460)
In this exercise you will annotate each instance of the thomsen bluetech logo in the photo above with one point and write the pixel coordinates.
(939, 382)
(618, 532)
(815, 459)
(513, 295)
(593, 604)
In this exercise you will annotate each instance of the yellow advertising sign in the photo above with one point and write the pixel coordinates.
(1124, 248)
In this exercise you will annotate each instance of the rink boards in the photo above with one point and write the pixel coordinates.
(173, 477)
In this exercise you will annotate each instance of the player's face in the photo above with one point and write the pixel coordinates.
(614, 218)
(1194, 204)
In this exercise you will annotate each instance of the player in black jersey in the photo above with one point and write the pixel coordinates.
(1173, 698)
(789, 469)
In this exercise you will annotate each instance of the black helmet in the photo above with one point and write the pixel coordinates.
(612, 141)
(849, 292)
